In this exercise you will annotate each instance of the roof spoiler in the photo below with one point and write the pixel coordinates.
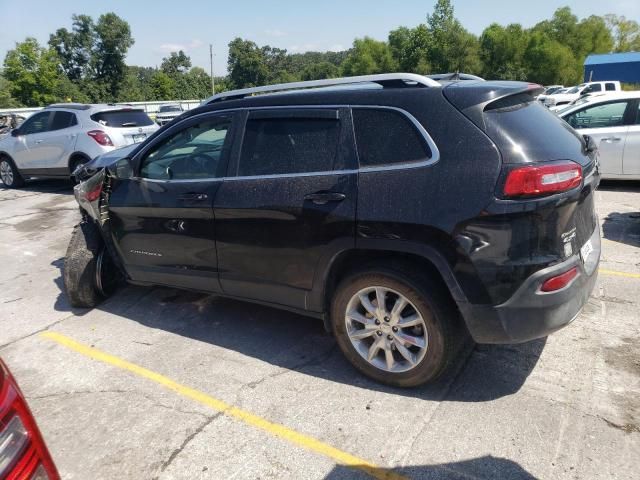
(473, 98)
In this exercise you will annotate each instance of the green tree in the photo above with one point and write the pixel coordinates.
(176, 63)
(549, 62)
(502, 52)
(113, 40)
(450, 47)
(368, 56)
(75, 48)
(6, 99)
(626, 33)
(162, 86)
(319, 71)
(33, 73)
(246, 64)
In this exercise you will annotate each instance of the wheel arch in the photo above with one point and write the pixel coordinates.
(423, 258)
(77, 155)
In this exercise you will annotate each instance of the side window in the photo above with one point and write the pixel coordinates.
(37, 123)
(609, 87)
(638, 117)
(598, 116)
(63, 120)
(281, 145)
(596, 87)
(193, 153)
(387, 137)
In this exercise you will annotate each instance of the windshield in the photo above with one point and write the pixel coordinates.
(574, 90)
(170, 108)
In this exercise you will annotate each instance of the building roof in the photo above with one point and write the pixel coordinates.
(600, 59)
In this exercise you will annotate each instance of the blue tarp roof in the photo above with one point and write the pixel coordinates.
(612, 58)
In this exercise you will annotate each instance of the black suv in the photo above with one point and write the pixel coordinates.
(404, 213)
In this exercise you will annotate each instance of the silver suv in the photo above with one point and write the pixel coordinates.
(56, 140)
(166, 113)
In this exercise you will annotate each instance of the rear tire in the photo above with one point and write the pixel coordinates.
(9, 173)
(88, 273)
(429, 310)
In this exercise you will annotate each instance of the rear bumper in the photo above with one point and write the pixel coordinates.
(530, 313)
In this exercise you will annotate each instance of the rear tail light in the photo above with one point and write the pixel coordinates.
(543, 179)
(560, 281)
(101, 137)
(23, 454)
(94, 194)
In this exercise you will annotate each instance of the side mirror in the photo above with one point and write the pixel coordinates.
(123, 169)
(15, 132)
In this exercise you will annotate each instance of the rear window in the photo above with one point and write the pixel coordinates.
(526, 131)
(122, 118)
(387, 137)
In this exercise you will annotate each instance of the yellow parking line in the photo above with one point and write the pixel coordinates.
(618, 274)
(281, 431)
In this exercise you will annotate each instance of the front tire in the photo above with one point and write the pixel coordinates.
(88, 273)
(396, 326)
(9, 174)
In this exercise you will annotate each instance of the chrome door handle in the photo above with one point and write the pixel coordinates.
(193, 197)
(611, 139)
(321, 198)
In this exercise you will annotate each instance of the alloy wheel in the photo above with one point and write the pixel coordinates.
(386, 329)
(6, 173)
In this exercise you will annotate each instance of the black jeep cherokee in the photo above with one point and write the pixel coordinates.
(404, 213)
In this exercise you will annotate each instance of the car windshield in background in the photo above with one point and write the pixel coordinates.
(170, 108)
(574, 90)
(122, 118)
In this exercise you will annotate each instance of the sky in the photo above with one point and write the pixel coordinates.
(160, 27)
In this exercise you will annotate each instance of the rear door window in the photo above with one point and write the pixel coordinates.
(63, 120)
(599, 116)
(387, 137)
(290, 143)
(610, 87)
(122, 118)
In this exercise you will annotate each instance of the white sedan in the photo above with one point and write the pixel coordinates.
(613, 121)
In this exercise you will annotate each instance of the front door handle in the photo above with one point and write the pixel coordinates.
(322, 198)
(611, 139)
(193, 197)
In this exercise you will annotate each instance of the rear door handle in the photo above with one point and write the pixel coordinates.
(611, 139)
(322, 198)
(193, 197)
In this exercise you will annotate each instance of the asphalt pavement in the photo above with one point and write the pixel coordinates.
(158, 383)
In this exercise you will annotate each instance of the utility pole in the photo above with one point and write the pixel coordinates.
(213, 84)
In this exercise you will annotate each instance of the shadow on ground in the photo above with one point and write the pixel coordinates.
(622, 228)
(478, 469)
(299, 343)
(43, 185)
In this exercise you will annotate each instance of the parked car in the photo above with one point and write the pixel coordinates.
(613, 121)
(580, 90)
(401, 215)
(9, 121)
(549, 90)
(166, 113)
(23, 453)
(56, 140)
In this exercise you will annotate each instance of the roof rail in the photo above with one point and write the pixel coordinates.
(384, 79)
(70, 106)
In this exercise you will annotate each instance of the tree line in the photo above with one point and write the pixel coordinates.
(87, 62)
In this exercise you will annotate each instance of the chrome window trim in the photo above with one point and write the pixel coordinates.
(435, 152)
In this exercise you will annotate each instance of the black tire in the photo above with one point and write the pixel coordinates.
(86, 257)
(14, 180)
(433, 303)
(73, 164)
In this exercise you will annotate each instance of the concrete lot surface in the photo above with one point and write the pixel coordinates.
(158, 383)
